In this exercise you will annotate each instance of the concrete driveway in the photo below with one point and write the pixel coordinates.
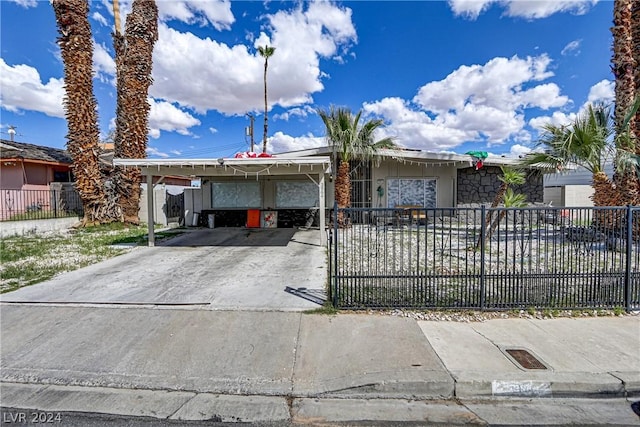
(220, 269)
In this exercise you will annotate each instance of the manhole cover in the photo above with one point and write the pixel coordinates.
(525, 359)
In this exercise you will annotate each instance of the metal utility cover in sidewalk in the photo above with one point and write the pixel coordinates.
(523, 358)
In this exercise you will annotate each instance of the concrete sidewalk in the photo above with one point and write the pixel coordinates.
(189, 363)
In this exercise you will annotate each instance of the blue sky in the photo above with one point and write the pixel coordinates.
(451, 76)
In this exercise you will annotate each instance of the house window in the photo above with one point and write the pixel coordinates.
(236, 195)
(61, 176)
(411, 192)
(296, 194)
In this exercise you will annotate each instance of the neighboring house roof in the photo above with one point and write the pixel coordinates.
(11, 150)
(576, 175)
(404, 154)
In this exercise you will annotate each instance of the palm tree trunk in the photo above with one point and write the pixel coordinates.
(343, 191)
(134, 58)
(625, 89)
(605, 194)
(635, 47)
(76, 48)
(494, 225)
(266, 120)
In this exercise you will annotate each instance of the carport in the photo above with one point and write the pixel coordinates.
(313, 168)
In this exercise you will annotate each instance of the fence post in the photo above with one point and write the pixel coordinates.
(335, 254)
(483, 231)
(55, 204)
(627, 275)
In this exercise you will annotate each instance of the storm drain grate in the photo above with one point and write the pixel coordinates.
(525, 359)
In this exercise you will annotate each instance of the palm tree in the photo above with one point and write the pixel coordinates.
(134, 54)
(623, 59)
(625, 91)
(587, 142)
(509, 177)
(266, 52)
(76, 48)
(350, 139)
(510, 200)
(635, 48)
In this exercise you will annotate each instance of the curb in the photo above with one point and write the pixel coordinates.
(31, 403)
(546, 385)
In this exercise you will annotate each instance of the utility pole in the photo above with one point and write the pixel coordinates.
(249, 130)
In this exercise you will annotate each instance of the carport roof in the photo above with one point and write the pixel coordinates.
(230, 167)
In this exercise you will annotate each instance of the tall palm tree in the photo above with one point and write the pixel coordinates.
(624, 71)
(134, 60)
(266, 52)
(76, 48)
(351, 139)
(623, 59)
(587, 142)
(635, 48)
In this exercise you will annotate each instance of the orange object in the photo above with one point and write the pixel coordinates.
(253, 218)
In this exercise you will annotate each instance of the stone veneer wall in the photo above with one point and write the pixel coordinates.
(478, 187)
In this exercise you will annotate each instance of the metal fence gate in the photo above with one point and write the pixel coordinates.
(174, 208)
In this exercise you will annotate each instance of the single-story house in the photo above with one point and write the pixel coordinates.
(32, 167)
(571, 188)
(33, 177)
(431, 180)
(285, 190)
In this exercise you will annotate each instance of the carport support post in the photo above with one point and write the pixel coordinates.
(150, 220)
(321, 202)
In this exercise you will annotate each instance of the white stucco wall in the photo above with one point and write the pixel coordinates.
(569, 195)
(578, 195)
(159, 200)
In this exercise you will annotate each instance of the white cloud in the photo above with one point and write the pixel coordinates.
(213, 130)
(469, 8)
(536, 9)
(151, 152)
(572, 48)
(23, 90)
(603, 91)
(483, 103)
(229, 79)
(496, 84)
(214, 12)
(104, 65)
(518, 150)
(558, 118)
(301, 112)
(164, 116)
(280, 143)
(26, 3)
(415, 128)
(544, 8)
(98, 17)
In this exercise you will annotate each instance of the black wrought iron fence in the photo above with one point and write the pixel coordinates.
(480, 258)
(19, 205)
